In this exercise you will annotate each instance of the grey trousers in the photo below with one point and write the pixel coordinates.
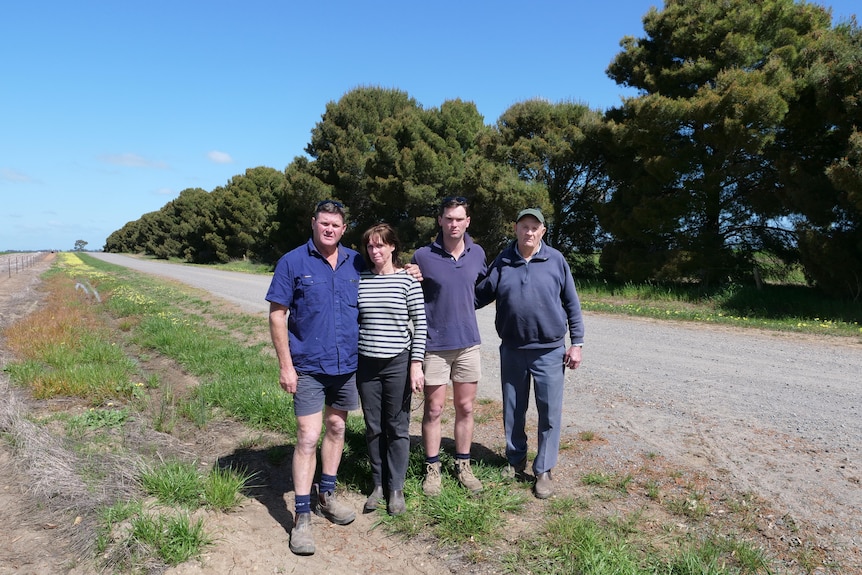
(545, 368)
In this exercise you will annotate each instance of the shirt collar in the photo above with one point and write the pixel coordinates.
(438, 243)
(312, 250)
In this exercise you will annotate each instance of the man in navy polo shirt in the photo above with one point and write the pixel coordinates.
(451, 266)
(313, 322)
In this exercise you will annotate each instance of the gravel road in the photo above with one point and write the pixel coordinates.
(777, 414)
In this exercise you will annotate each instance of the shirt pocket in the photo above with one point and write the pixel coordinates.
(311, 294)
(348, 291)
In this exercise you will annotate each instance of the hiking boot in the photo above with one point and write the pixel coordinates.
(397, 505)
(301, 538)
(329, 508)
(433, 482)
(464, 473)
(373, 502)
(544, 485)
(515, 472)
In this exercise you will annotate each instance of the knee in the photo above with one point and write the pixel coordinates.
(464, 408)
(336, 426)
(433, 411)
(306, 441)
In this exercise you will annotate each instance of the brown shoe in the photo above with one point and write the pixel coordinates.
(397, 505)
(301, 538)
(464, 473)
(373, 502)
(433, 483)
(515, 472)
(544, 485)
(329, 507)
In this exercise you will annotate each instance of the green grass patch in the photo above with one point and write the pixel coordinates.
(110, 518)
(455, 516)
(572, 544)
(223, 488)
(174, 483)
(180, 483)
(792, 308)
(174, 539)
(95, 419)
(242, 381)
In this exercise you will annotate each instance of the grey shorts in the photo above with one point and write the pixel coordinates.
(460, 365)
(313, 391)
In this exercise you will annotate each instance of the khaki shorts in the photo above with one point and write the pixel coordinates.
(460, 365)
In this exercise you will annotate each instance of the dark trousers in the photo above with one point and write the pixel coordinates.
(384, 389)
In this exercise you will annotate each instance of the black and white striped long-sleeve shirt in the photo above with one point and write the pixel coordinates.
(388, 305)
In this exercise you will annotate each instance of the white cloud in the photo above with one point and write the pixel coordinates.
(15, 176)
(164, 192)
(132, 161)
(219, 157)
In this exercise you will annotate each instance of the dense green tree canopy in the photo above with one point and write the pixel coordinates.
(388, 159)
(696, 194)
(557, 146)
(820, 160)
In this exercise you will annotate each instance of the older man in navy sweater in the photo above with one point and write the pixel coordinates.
(537, 307)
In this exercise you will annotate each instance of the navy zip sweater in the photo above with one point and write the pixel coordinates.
(537, 304)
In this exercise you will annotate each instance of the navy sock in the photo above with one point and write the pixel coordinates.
(302, 504)
(434, 459)
(327, 483)
(462, 456)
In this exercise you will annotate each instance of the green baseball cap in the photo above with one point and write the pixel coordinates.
(535, 212)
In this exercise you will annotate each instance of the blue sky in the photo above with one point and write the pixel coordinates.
(109, 109)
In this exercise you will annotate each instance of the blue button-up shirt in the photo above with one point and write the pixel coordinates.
(323, 319)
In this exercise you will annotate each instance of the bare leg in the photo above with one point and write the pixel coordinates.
(333, 440)
(435, 401)
(305, 454)
(464, 399)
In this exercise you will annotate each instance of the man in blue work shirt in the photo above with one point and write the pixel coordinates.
(313, 322)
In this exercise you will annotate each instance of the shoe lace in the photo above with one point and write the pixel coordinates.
(464, 469)
(432, 470)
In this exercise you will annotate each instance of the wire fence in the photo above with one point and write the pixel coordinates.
(12, 264)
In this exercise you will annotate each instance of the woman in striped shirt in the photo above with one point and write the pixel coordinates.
(390, 362)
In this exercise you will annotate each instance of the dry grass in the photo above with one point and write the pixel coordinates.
(63, 317)
(55, 471)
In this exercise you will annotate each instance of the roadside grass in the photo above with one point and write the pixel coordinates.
(569, 543)
(238, 380)
(181, 483)
(95, 419)
(71, 348)
(173, 538)
(790, 308)
(64, 350)
(455, 516)
(131, 533)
